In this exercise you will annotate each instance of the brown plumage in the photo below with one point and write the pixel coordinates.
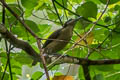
(65, 34)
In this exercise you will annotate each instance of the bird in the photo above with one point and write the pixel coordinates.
(60, 38)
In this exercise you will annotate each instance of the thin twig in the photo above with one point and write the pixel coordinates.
(64, 9)
(10, 69)
(105, 26)
(22, 22)
(44, 18)
(7, 50)
(19, 19)
(57, 12)
(79, 40)
(3, 22)
(43, 59)
(97, 21)
(2, 78)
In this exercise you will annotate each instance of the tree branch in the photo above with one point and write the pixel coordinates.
(50, 58)
(18, 18)
(18, 43)
(82, 61)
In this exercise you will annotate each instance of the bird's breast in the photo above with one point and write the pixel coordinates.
(61, 41)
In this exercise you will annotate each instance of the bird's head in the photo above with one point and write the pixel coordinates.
(71, 22)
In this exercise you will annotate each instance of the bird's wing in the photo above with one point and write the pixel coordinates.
(54, 35)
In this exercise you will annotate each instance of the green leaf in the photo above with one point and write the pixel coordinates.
(99, 33)
(95, 1)
(0, 68)
(11, 19)
(107, 19)
(6, 77)
(95, 55)
(10, 0)
(113, 76)
(29, 3)
(42, 6)
(36, 75)
(19, 30)
(44, 29)
(28, 12)
(15, 8)
(56, 67)
(52, 15)
(115, 39)
(117, 67)
(117, 21)
(98, 77)
(111, 1)
(117, 7)
(3, 54)
(88, 9)
(77, 1)
(62, 2)
(104, 68)
(80, 73)
(33, 26)
(115, 44)
(23, 58)
(17, 66)
(58, 73)
(76, 52)
(0, 16)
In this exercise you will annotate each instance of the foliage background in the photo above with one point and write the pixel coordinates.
(103, 42)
